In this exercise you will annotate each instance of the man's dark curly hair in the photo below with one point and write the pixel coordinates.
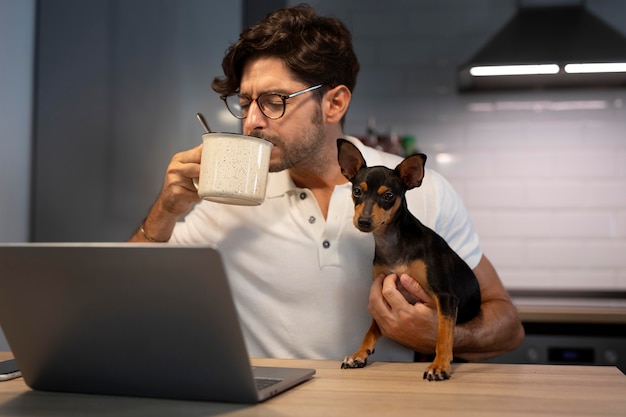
(317, 49)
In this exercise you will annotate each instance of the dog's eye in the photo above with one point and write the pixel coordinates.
(357, 192)
(388, 196)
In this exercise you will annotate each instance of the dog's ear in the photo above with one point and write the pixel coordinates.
(350, 159)
(411, 170)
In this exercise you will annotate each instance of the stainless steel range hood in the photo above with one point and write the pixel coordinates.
(543, 47)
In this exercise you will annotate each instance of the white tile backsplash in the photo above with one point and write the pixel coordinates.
(543, 174)
(620, 224)
(576, 279)
(563, 193)
(525, 162)
(563, 224)
(506, 253)
(585, 163)
(621, 278)
(556, 253)
(496, 194)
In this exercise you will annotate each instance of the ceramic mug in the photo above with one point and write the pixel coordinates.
(233, 169)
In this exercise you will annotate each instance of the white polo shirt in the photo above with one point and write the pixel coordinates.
(301, 282)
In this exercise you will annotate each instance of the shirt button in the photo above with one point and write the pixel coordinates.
(302, 195)
(326, 244)
(312, 219)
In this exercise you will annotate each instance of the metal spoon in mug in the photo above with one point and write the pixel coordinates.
(205, 125)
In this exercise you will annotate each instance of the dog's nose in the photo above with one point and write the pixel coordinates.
(365, 223)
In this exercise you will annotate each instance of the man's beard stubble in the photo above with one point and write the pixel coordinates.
(304, 151)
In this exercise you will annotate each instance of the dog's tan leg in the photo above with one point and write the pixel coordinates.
(441, 369)
(359, 358)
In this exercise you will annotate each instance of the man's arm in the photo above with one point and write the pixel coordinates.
(496, 329)
(176, 198)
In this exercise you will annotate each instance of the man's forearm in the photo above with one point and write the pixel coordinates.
(494, 331)
(156, 227)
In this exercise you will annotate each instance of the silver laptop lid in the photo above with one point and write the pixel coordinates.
(124, 319)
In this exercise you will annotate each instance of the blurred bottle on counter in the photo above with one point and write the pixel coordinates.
(394, 144)
(408, 144)
(371, 134)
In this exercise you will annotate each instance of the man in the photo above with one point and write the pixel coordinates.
(299, 269)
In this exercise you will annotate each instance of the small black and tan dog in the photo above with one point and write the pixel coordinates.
(403, 245)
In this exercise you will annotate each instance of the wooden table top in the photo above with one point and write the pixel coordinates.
(380, 389)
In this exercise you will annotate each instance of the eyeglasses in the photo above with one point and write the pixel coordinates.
(272, 105)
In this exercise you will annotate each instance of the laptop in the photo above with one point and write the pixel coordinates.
(146, 320)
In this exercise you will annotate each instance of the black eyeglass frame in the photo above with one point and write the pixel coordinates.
(283, 97)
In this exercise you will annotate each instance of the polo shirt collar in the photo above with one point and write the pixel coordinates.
(278, 184)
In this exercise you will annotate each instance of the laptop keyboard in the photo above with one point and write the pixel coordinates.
(262, 383)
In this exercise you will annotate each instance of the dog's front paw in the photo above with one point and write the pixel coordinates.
(350, 362)
(437, 372)
(357, 360)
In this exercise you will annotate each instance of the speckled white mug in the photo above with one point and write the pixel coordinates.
(233, 169)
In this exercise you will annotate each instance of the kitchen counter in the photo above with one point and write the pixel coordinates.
(570, 327)
(570, 306)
